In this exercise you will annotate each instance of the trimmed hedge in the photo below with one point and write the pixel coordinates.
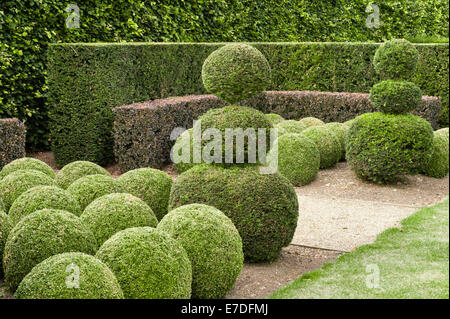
(263, 207)
(76, 170)
(12, 140)
(27, 163)
(109, 75)
(142, 131)
(49, 279)
(438, 166)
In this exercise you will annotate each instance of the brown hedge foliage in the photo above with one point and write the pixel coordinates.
(12, 140)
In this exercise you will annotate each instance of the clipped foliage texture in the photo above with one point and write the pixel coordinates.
(327, 142)
(274, 119)
(340, 130)
(27, 163)
(184, 143)
(395, 97)
(438, 164)
(12, 140)
(290, 126)
(4, 230)
(75, 170)
(311, 121)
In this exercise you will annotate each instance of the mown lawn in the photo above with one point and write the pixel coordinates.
(413, 262)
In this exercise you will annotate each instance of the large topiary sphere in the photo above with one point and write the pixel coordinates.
(40, 235)
(298, 158)
(263, 207)
(396, 60)
(112, 213)
(27, 163)
(75, 170)
(274, 119)
(438, 164)
(148, 263)
(443, 132)
(234, 118)
(340, 130)
(150, 185)
(41, 197)
(17, 182)
(311, 121)
(213, 245)
(395, 97)
(290, 126)
(70, 276)
(4, 231)
(383, 147)
(90, 187)
(236, 72)
(330, 148)
(184, 148)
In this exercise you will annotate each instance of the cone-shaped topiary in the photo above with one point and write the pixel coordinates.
(340, 130)
(112, 213)
(148, 263)
(383, 147)
(290, 126)
(213, 245)
(90, 187)
(40, 235)
(70, 276)
(396, 60)
(311, 121)
(27, 163)
(184, 143)
(150, 185)
(274, 119)
(263, 207)
(4, 230)
(328, 143)
(17, 182)
(75, 170)
(438, 165)
(298, 158)
(395, 97)
(236, 72)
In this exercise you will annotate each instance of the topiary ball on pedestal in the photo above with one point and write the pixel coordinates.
(76, 170)
(328, 144)
(236, 72)
(27, 163)
(395, 97)
(383, 147)
(213, 245)
(438, 165)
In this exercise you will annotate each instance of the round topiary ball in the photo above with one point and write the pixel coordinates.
(4, 231)
(150, 185)
(396, 60)
(290, 126)
(27, 163)
(298, 158)
(112, 213)
(330, 148)
(349, 123)
(236, 72)
(184, 148)
(311, 121)
(213, 245)
(148, 263)
(438, 165)
(75, 170)
(70, 276)
(241, 122)
(40, 235)
(17, 182)
(274, 119)
(443, 132)
(41, 197)
(395, 97)
(263, 207)
(383, 147)
(340, 130)
(90, 187)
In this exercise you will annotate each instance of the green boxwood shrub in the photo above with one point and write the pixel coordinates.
(340, 130)
(213, 245)
(328, 143)
(443, 132)
(234, 117)
(349, 123)
(263, 207)
(183, 142)
(395, 97)
(383, 147)
(298, 158)
(112, 213)
(236, 72)
(311, 121)
(274, 119)
(438, 166)
(16, 183)
(4, 230)
(148, 263)
(396, 60)
(41, 197)
(290, 126)
(27, 163)
(40, 235)
(150, 185)
(91, 279)
(90, 187)
(75, 170)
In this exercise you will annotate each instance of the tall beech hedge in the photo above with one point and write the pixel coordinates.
(87, 80)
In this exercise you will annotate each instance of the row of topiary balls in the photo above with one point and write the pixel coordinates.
(82, 234)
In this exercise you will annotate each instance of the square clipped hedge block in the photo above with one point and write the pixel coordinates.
(12, 140)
